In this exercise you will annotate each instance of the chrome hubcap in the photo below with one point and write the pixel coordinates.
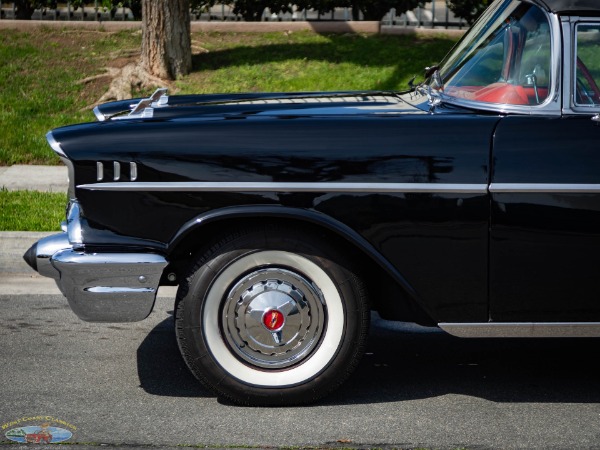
(273, 318)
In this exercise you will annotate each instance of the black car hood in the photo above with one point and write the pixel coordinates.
(243, 105)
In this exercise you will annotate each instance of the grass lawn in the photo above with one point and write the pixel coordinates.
(40, 71)
(31, 211)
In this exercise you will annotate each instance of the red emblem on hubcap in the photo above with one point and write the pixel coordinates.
(273, 320)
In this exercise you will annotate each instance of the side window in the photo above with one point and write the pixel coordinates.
(587, 65)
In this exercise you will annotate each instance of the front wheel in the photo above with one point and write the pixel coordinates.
(271, 317)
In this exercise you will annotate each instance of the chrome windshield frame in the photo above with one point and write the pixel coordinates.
(551, 106)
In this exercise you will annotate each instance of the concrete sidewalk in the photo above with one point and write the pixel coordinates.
(34, 178)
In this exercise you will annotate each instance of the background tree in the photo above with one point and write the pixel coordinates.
(322, 6)
(469, 10)
(166, 41)
(24, 8)
(199, 6)
(376, 9)
(252, 10)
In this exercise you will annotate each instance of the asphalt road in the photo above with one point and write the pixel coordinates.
(126, 384)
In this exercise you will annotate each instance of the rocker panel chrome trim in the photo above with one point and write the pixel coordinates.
(523, 329)
(440, 188)
(558, 188)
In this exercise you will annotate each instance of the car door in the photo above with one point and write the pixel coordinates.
(545, 200)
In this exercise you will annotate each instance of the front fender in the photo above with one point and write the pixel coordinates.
(297, 214)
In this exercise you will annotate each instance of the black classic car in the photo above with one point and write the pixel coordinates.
(470, 202)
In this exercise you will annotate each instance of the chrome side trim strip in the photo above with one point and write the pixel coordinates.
(419, 188)
(119, 290)
(557, 188)
(522, 329)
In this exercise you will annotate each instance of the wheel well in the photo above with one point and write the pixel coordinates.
(387, 294)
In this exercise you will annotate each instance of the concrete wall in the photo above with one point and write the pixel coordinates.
(238, 27)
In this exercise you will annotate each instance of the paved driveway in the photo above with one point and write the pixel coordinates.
(126, 383)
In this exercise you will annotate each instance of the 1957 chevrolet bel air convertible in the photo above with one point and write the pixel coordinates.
(470, 202)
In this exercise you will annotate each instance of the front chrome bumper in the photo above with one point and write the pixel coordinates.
(100, 287)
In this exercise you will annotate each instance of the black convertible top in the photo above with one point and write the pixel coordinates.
(572, 6)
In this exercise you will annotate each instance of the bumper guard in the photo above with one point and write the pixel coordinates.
(100, 287)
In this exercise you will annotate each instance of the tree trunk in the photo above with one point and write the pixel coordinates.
(23, 10)
(166, 42)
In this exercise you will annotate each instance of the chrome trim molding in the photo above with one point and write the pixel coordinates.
(74, 224)
(558, 188)
(55, 144)
(101, 117)
(133, 171)
(418, 188)
(522, 330)
(116, 290)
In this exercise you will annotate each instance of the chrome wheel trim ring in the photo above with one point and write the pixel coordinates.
(313, 364)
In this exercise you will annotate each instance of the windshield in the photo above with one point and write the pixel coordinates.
(504, 59)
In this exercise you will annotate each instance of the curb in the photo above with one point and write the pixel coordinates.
(34, 178)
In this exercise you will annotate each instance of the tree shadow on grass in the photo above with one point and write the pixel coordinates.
(407, 55)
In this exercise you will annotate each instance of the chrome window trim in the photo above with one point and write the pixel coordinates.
(570, 72)
(522, 329)
(327, 187)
